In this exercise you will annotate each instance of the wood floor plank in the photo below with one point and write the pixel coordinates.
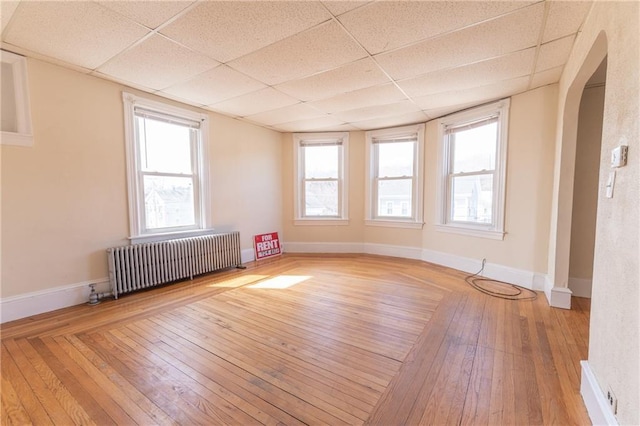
(350, 339)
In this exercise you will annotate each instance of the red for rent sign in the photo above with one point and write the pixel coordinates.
(267, 245)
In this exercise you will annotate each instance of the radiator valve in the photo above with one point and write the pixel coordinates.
(94, 297)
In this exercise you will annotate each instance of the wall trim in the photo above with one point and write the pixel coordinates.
(527, 279)
(247, 255)
(594, 399)
(581, 287)
(558, 297)
(25, 305)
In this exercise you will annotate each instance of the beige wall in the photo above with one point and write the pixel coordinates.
(614, 341)
(528, 199)
(64, 200)
(528, 189)
(585, 186)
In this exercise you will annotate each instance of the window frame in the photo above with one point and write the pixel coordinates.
(342, 140)
(24, 134)
(496, 229)
(415, 221)
(138, 232)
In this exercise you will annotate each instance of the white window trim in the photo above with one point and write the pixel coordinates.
(24, 135)
(135, 217)
(343, 183)
(416, 221)
(496, 230)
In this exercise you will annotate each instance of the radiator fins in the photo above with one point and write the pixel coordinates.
(142, 266)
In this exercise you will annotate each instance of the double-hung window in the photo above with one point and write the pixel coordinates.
(394, 167)
(472, 183)
(320, 178)
(167, 168)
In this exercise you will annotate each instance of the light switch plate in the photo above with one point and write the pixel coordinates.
(611, 183)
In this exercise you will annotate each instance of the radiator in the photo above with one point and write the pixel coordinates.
(142, 266)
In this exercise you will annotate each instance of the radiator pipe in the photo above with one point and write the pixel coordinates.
(95, 297)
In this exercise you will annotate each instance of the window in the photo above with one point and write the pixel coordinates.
(16, 112)
(394, 167)
(321, 181)
(472, 183)
(167, 169)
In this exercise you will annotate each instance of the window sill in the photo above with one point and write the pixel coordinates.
(152, 238)
(321, 222)
(473, 232)
(394, 223)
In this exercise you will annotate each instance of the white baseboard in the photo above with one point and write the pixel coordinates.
(25, 305)
(323, 247)
(247, 255)
(580, 287)
(519, 277)
(594, 399)
(558, 297)
(393, 251)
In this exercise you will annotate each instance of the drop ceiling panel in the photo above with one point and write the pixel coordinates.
(81, 33)
(564, 18)
(384, 94)
(516, 31)
(226, 30)
(254, 103)
(387, 25)
(216, 85)
(339, 7)
(320, 49)
(476, 95)
(350, 77)
(310, 125)
(148, 13)
(549, 76)
(377, 111)
(157, 63)
(397, 120)
(483, 73)
(7, 9)
(554, 54)
(283, 115)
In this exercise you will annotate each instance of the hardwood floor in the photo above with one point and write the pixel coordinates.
(301, 339)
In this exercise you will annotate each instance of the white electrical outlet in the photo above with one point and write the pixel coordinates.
(612, 400)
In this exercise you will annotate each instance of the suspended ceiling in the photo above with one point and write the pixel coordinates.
(307, 65)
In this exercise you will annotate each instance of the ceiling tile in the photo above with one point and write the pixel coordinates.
(310, 125)
(216, 85)
(350, 77)
(320, 49)
(482, 73)
(148, 13)
(554, 54)
(476, 95)
(300, 111)
(377, 111)
(254, 103)
(157, 63)
(564, 18)
(7, 9)
(384, 94)
(81, 33)
(387, 25)
(339, 7)
(226, 30)
(400, 120)
(441, 112)
(549, 76)
(510, 33)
